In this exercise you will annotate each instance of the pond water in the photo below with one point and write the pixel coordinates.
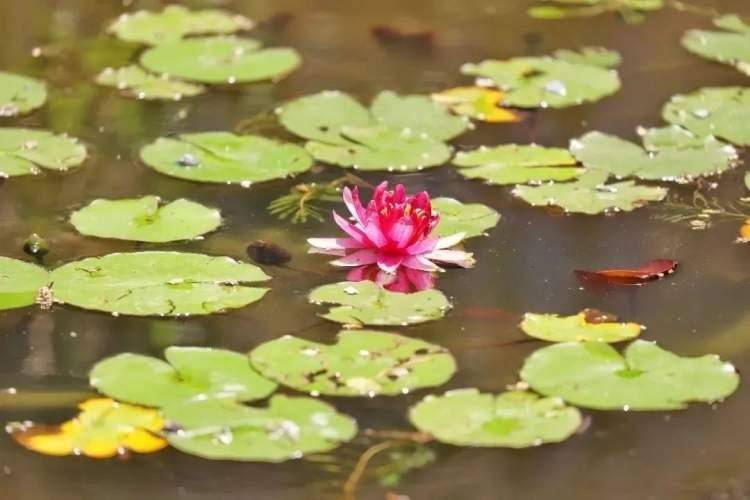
(525, 264)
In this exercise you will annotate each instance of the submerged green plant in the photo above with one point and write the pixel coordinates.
(303, 201)
(700, 211)
(631, 11)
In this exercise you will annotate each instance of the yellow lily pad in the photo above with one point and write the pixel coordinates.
(587, 325)
(477, 103)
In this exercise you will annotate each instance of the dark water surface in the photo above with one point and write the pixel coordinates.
(524, 265)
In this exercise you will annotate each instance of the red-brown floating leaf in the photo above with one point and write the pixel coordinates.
(650, 271)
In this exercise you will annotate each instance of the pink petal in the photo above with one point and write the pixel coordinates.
(351, 229)
(385, 279)
(422, 280)
(389, 262)
(351, 199)
(450, 241)
(399, 283)
(358, 258)
(401, 232)
(334, 243)
(356, 274)
(420, 263)
(424, 246)
(456, 257)
(374, 233)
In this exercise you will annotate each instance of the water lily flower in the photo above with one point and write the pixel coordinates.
(404, 280)
(394, 230)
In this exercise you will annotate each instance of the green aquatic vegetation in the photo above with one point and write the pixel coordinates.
(224, 157)
(188, 373)
(28, 151)
(514, 419)
(545, 82)
(20, 94)
(630, 10)
(402, 133)
(360, 363)
(472, 219)
(720, 111)
(517, 164)
(288, 428)
(20, 283)
(366, 303)
(175, 22)
(158, 284)
(729, 47)
(303, 200)
(701, 211)
(593, 56)
(645, 377)
(145, 219)
(133, 81)
(587, 325)
(220, 60)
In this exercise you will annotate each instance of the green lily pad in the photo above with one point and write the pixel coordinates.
(175, 22)
(578, 328)
(591, 195)
(225, 157)
(515, 419)
(360, 363)
(365, 303)
(472, 219)
(541, 82)
(621, 158)
(26, 151)
(630, 10)
(158, 283)
(514, 164)
(288, 429)
(720, 111)
(729, 47)
(398, 133)
(20, 283)
(220, 60)
(142, 219)
(188, 373)
(132, 81)
(593, 56)
(672, 136)
(20, 94)
(646, 377)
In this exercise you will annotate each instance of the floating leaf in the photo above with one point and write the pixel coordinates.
(142, 219)
(594, 375)
(399, 132)
(360, 363)
(650, 271)
(729, 47)
(593, 56)
(174, 23)
(158, 283)
(516, 419)
(20, 283)
(533, 82)
(289, 428)
(188, 373)
(225, 157)
(365, 303)
(20, 94)
(673, 136)
(629, 10)
(590, 195)
(24, 151)
(103, 429)
(586, 325)
(514, 164)
(720, 111)
(220, 60)
(477, 103)
(134, 82)
(472, 219)
(596, 150)
(744, 232)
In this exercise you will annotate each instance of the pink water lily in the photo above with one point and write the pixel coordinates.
(404, 280)
(394, 230)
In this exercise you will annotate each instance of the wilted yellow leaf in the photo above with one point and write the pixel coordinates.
(103, 429)
(477, 103)
(745, 232)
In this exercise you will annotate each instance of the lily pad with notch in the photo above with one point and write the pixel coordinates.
(365, 303)
(145, 219)
(29, 151)
(224, 157)
(360, 363)
(287, 429)
(158, 284)
(514, 419)
(20, 94)
(132, 81)
(188, 373)
(645, 377)
(20, 283)
(587, 325)
(730, 47)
